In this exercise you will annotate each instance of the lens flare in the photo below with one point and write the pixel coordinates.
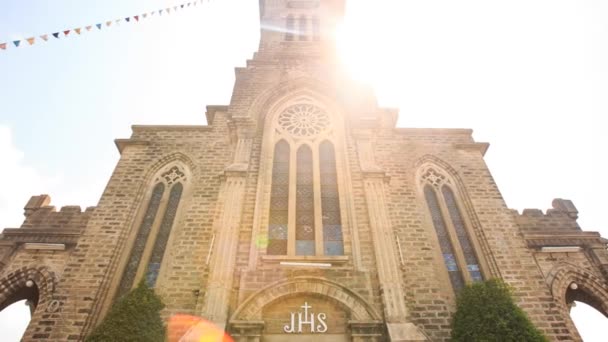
(186, 328)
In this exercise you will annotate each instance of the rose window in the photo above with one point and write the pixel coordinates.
(303, 120)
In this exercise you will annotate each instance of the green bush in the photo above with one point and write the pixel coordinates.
(486, 312)
(135, 317)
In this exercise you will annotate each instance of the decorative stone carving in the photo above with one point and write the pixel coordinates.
(304, 120)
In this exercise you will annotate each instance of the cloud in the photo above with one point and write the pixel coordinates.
(19, 181)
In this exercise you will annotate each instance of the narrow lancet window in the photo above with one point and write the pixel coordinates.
(461, 232)
(303, 28)
(140, 241)
(305, 211)
(289, 27)
(330, 203)
(163, 235)
(447, 249)
(279, 201)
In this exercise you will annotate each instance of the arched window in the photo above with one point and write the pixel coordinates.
(279, 199)
(150, 243)
(304, 215)
(303, 31)
(456, 247)
(289, 27)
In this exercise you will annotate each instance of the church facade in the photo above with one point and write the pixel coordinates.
(299, 212)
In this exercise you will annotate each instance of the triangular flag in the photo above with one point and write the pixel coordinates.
(98, 26)
(31, 40)
(66, 32)
(3, 46)
(145, 15)
(77, 30)
(16, 42)
(56, 35)
(188, 5)
(118, 21)
(181, 6)
(175, 8)
(136, 18)
(127, 19)
(160, 12)
(168, 10)
(45, 37)
(89, 27)
(108, 23)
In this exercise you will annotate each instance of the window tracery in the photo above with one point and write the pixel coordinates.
(154, 230)
(304, 120)
(455, 243)
(310, 189)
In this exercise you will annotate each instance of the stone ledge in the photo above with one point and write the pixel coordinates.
(482, 147)
(338, 259)
(121, 144)
(434, 131)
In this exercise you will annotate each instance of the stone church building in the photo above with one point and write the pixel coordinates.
(300, 212)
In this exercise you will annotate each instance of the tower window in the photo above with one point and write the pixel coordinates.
(316, 29)
(289, 27)
(303, 32)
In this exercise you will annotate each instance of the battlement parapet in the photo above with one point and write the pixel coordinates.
(39, 214)
(561, 218)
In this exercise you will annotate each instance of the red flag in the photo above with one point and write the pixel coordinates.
(31, 40)
(45, 37)
(66, 32)
(136, 17)
(3, 46)
(77, 30)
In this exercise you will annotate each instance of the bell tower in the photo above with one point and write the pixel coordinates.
(299, 27)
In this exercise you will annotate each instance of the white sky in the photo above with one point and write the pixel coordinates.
(530, 77)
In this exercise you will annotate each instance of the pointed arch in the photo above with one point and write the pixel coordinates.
(595, 289)
(13, 286)
(153, 226)
(464, 204)
(251, 308)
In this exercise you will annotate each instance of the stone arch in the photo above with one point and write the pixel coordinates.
(251, 309)
(14, 282)
(594, 291)
(458, 186)
(286, 91)
(176, 157)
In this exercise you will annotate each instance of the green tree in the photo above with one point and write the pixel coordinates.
(134, 318)
(486, 312)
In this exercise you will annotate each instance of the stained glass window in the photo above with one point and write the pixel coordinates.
(279, 201)
(461, 232)
(130, 271)
(303, 28)
(163, 235)
(445, 244)
(305, 211)
(289, 28)
(330, 203)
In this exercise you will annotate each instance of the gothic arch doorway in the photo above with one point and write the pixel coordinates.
(305, 309)
(29, 285)
(570, 284)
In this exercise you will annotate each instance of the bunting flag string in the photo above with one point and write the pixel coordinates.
(79, 31)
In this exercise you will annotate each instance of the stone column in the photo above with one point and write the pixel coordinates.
(226, 229)
(387, 262)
